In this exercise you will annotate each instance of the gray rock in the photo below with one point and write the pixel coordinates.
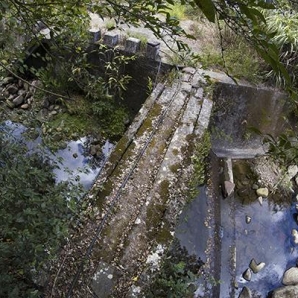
(286, 292)
(18, 100)
(12, 89)
(53, 113)
(263, 192)
(20, 83)
(7, 80)
(256, 267)
(26, 87)
(290, 277)
(295, 236)
(292, 171)
(247, 219)
(25, 106)
(255, 186)
(228, 188)
(9, 104)
(247, 274)
(260, 200)
(245, 293)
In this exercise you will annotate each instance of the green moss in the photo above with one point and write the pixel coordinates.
(175, 168)
(156, 210)
(147, 124)
(164, 236)
(105, 191)
(175, 152)
(118, 152)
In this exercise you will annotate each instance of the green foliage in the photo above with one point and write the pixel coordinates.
(283, 148)
(34, 216)
(112, 118)
(177, 276)
(282, 24)
(232, 60)
(177, 10)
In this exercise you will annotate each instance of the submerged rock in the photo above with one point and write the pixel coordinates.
(256, 267)
(247, 219)
(263, 192)
(290, 277)
(245, 293)
(288, 292)
(247, 274)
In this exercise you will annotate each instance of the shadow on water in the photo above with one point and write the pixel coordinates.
(73, 161)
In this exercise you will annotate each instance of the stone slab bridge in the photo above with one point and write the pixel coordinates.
(143, 187)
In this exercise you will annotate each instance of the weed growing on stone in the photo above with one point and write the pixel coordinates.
(199, 162)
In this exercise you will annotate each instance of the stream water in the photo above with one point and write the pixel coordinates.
(267, 238)
(73, 161)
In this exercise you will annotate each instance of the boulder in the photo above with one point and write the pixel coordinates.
(245, 293)
(290, 277)
(262, 192)
(256, 267)
(288, 292)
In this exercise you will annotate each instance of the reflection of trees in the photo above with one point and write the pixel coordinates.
(178, 274)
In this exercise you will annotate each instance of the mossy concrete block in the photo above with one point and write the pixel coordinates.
(132, 45)
(95, 35)
(153, 49)
(111, 39)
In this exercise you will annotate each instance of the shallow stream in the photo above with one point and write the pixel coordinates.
(266, 238)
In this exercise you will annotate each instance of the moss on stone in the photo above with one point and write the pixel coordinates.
(147, 124)
(175, 168)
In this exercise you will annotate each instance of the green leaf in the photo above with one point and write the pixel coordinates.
(208, 9)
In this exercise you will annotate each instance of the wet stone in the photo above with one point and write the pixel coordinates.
(245, 293)
(104, 280)
(256, 267)
(12, 89)
(18, 100)
(291, 276)
(247, 274)
(295, 236)
(263, 192)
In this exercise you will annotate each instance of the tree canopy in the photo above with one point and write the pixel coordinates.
(68, 21)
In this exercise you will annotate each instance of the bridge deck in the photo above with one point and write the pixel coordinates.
(138, 194)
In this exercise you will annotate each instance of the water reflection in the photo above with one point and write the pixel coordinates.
(73, 161)
(267, 238)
